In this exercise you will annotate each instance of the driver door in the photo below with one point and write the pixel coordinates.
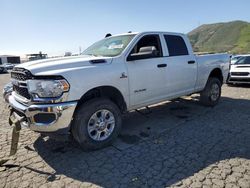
(147, 74)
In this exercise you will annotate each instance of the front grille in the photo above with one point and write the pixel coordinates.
(22, 91)
(243, 66)
(239, 79)
(239, 73)
(19, 76)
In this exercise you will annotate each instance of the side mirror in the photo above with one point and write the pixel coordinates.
(144, 53)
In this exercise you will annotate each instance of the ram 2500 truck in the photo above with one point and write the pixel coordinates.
(87, 94)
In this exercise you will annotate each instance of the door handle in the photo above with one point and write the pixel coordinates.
(191, 62)
(161, 65)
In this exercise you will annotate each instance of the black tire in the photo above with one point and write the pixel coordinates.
(206, 96)
(82, 117)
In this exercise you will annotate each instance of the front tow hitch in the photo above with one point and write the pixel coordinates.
(15, 121)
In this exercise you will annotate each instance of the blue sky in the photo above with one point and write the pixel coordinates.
(56, 26)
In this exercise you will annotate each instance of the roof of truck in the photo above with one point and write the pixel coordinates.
(148, 32)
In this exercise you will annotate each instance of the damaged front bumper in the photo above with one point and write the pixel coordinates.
(38, 117)
(8, 88)
(42, 117)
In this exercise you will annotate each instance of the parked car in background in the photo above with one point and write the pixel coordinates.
(9, 61)
(9, 66)
(87, 94)
(235, 58)
(3, 69)
(240, 71)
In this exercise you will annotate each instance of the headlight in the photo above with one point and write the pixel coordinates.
(47, 88)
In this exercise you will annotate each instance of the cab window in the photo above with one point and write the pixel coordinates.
(147, 47)
(176, 45)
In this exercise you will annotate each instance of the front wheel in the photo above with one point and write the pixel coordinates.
(211, 94)
(96, 124)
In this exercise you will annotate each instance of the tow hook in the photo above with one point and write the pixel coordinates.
(16, 123)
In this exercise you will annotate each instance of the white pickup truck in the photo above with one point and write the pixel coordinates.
(87, 94)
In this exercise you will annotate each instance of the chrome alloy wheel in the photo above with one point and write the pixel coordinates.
(101, 125)
(215, 92)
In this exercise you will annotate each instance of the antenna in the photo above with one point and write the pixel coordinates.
(108, 35)
(80, 50)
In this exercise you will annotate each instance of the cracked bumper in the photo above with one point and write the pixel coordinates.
(43, 117)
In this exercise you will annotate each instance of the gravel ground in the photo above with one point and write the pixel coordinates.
(179, 144)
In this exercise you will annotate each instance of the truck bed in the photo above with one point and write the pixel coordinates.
(208, 62)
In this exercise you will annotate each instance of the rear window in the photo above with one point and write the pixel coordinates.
(176, 45)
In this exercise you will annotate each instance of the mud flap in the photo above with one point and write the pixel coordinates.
(15, 120)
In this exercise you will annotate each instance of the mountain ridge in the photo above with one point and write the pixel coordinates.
(233, 37)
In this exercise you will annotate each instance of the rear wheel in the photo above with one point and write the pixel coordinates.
(211, 94)
(96, 124)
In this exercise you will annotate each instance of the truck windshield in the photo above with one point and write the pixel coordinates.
(234, 59)
(243, 60)
(110, 47)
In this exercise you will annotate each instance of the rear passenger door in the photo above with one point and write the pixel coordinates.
(181, 66)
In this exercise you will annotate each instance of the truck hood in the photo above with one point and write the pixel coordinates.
(55, 66)
(240, 68)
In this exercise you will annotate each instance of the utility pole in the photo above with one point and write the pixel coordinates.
(80, 50)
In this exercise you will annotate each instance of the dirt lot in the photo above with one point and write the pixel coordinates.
(178, 144)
